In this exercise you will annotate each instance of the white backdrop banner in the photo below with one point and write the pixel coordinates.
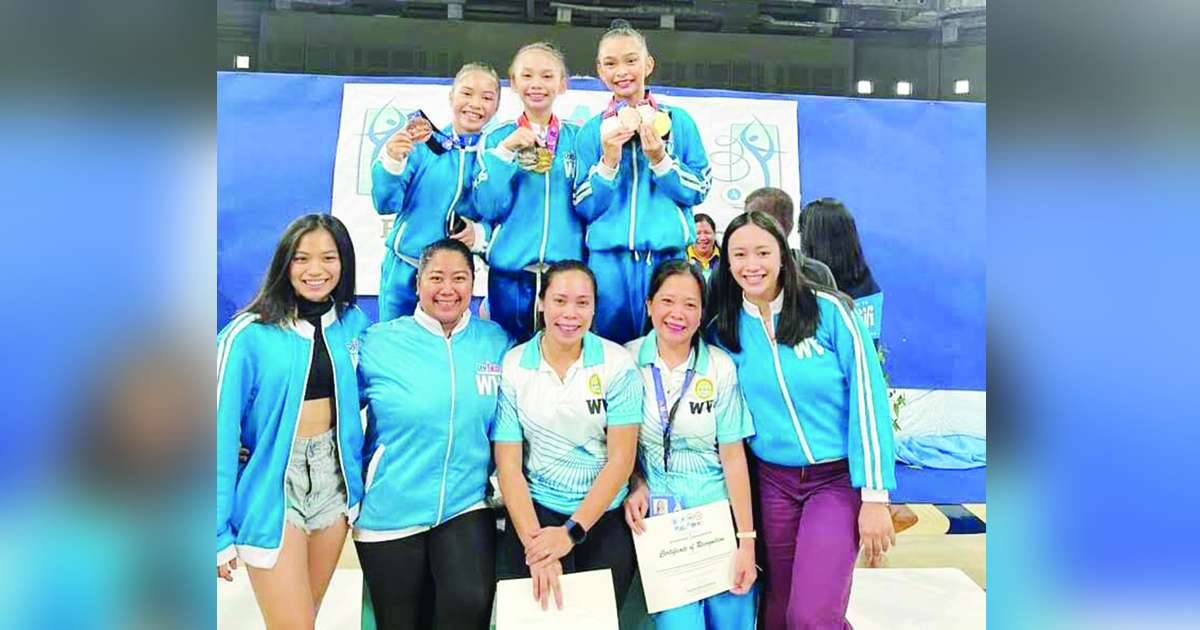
(751, 143)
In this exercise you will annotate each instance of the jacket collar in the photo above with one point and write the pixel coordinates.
(427, 322)
(776, 306)
(307, 330)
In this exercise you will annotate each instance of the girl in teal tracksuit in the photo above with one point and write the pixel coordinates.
(424, 176)
(425, 538)
(524, 186)
(642, 167)
(287, 393)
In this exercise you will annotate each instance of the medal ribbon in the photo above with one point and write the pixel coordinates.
(552, 128)
(615, 106)
(440, 141)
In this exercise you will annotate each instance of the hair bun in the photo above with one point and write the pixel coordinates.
(618, 24)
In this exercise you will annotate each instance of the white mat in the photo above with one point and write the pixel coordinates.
(882, 599)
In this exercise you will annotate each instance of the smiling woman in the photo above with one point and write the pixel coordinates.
(425, 541)
(690, 445)
(445, 275)
(284, 511)
(565, 442)
(823, 440)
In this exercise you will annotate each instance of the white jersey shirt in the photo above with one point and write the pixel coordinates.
(712, 412)
(563, 422)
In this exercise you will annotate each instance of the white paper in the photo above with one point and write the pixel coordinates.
(686, 556)
(589, 603)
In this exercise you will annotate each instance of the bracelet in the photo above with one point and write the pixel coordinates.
(749, 534)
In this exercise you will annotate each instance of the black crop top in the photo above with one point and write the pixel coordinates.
(320, 372)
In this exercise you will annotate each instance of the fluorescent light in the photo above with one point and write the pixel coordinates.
(962, 86)
(242, 62)
(865, 87)
(903, 88)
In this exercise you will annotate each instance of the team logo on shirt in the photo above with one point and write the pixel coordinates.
(352, 348)
(487, 379)
(704, 390)
(595, 386)
(569, 165)
(808, 348)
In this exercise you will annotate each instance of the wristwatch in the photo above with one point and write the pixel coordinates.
(576, 531)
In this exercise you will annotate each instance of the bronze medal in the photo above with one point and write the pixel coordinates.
(419, 128)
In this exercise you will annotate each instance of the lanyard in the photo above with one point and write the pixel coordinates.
(664, 416)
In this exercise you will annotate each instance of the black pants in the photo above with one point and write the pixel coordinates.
(609, 545)
(441, 578)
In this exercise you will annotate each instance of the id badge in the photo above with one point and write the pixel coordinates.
(664, 504)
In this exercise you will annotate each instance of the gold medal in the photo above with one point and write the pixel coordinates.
(544, 160)
(662, 124)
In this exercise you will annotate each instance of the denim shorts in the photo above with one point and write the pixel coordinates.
(315, 490)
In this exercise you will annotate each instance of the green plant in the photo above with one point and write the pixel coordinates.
(897, 400)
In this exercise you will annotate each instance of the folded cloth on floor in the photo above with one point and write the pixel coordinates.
(954, 451)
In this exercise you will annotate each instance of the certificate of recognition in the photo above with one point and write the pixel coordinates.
(589, 603)
(686, 556)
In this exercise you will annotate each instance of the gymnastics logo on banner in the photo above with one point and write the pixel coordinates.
(750, 143)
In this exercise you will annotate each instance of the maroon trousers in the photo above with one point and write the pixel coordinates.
(810, 535)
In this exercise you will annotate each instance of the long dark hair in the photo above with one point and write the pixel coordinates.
(557, 268)
(828, 233)
(800, 314)
(664, 271)
(276, 300)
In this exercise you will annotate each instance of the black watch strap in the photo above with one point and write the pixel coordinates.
(576, 531)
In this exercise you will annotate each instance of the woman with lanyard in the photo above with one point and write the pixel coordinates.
(287, 393)
(424, 176)
(823, 441)
(425, 539)
(524, 187)
(691, 451)
(566, 441)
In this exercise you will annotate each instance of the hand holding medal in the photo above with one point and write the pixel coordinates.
(652, 144)
(536, 148)
(399, 145)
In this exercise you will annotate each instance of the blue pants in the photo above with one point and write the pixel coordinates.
(397, 288)
(724, 611)
(511, 296)
(622, 285)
